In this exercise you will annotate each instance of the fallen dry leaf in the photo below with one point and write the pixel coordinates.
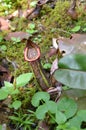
(76, 44)
(54, 66)
(72, 11)
(4, 75)
(43, 126)
(21, 35)
(4, 24)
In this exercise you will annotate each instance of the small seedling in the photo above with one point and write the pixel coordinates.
(12, 89)
(31, 29)
(16, 40)
(33, 4)
(3, 48)
(76, 28)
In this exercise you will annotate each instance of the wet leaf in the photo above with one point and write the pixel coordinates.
(72, 71)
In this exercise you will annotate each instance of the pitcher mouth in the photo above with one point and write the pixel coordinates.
(31, 52)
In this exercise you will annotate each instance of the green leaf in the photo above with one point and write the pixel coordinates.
(14, 118)
(75, 122)
(16, 104)
(82, 115)
(1, 38)
(30, 31)
(8, 84)
(15, 91)
(60, 117)
(9, 88)
(3, 94)
(38, 97)
(78, 119)
(84, 29)
(3, 48)
(23, 79)
(15, 40)
(73, 61)
(49, 105)
(72, 71)
(32, 26)
(76, 29)
(47, 66)
(33, 3)
(67, 106)
(0, 127)
(41, 111)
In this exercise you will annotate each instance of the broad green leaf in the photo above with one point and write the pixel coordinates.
(8, 89)
(72, 71)
(71, 78)
(82, 115)
(47, 66)
(3, 94)
(32, 26)
(23, 79)
(60, 117)
(8, 84)
(78, 119)
(41, 111)
(84, 29)
(67, 106)
(33, 3)
(73, 61)
(16, 104)
(15, 91)
(76, 29)
(51, 106)
(44, 96)
(0, 127)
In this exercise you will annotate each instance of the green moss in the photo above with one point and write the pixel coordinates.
(15, 53)
(54, 22)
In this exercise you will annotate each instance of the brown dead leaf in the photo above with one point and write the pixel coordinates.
(76, 44)
(4, 75)
(21, 35)
(54, 66)
(72, 11)
(4, 24)
(43, 126)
